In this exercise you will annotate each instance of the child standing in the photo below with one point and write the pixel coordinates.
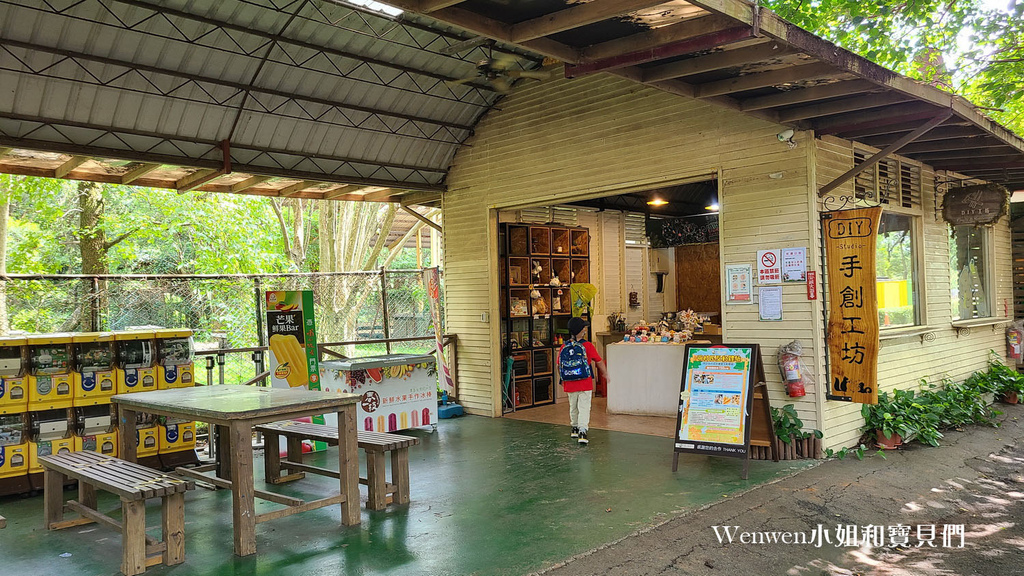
(574, 359)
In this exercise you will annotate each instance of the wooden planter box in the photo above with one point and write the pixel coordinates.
(804, 449)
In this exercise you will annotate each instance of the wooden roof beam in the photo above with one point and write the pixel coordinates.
(382, 195)
(958, 144)
(577, 16)
(64, 169)
(338, 192)
(985, 153)
(902, 114)
(242, 186)
(293, 189)
(941, 133)
(968, 167)
(803, 95)
(895, 130)
(842, 106)
(658, 37)
(717, 61)
(423, 218)
(669, 50)
(138, 172)
(196, 179)
(765, 79)
(4, 151)
(421, 198)
(428, 6)
(891, 149)
(491, 28)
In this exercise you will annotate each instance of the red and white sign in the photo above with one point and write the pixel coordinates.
(769, 267)
(812, 285)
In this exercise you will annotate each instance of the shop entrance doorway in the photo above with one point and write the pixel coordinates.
(653, 260)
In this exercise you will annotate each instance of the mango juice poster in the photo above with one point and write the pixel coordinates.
(291, 330)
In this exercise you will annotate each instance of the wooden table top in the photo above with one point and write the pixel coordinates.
(228, 402)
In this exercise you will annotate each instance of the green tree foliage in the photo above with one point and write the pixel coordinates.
(974, 48)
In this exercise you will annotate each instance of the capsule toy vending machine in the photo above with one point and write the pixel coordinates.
(49, 379)
(50, 433)
(13, 385)
(175, 352)
(93, 379)
(14, 450)
(136, 361)
(95, 429)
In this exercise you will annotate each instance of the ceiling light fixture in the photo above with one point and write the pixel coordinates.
(656, 201)
(712, 207)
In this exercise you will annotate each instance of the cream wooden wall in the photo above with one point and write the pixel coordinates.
(938, 352)
(554, 142)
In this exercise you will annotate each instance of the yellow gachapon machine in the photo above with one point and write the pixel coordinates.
(94, 429)
(13, 385)
(136, 369)
(93, 378)
(14, 450)
(175, 352)
(49, 379)
(50, 434)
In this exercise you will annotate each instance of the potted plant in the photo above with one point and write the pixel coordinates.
(1007, 383)
(892, 419)
(798, 443)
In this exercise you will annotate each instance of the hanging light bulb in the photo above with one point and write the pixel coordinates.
(657, 201)
(713, 207)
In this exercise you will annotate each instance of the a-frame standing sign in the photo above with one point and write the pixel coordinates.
(723, 403)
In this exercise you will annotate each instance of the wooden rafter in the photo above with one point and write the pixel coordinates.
(765, 79)
(338, 192)
(679, 47)
(803, 95)
(842, 106)
(428, 6)
(716, 61)
(651, 39)
(902, 114)
(891, 149)
(66, 168)
(293, 189)
(138, 172)
(196, 179)
(941, 133)
(985, 142)
(381, 195)
(422, 218)
(4, 151)
(248, 183)
(576, 16)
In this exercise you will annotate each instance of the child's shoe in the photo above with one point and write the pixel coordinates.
(575, 432)
(583, 438)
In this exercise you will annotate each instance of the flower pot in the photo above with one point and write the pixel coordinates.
(1010, 397)
(891, 443)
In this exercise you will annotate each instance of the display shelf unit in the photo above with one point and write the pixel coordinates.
(537, 265)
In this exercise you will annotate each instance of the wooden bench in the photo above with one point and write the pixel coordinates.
(375, 444)
(3, 522)
(134, 484)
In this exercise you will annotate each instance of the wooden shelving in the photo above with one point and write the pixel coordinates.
(538, 264)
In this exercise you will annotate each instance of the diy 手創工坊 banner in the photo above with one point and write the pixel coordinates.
(850, 244)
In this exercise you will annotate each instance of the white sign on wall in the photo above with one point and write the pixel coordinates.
(769, 267)
(794, 264)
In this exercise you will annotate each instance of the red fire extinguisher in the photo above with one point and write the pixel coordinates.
(789, 365)
(1015, 342)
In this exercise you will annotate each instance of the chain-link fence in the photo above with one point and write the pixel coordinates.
(227, 312)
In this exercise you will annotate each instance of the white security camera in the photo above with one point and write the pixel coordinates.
(786, 136)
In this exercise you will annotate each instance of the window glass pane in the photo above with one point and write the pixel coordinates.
(895, 269)
(968, 273)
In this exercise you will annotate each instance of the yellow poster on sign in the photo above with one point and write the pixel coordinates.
(850, 243)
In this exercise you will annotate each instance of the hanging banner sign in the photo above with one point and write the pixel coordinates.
(432, 280)
(850, 243)
(812, 285)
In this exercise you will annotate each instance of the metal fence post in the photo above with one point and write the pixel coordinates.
(384, 308)
(260, 336)
(94, 307)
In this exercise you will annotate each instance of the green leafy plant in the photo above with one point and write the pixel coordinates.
(895, 414)
(788, 425)
(857, 451)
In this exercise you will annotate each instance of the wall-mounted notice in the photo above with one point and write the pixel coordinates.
(737, 284)
(812, 285)
(794, 264)
(769, 303)
(769, 266)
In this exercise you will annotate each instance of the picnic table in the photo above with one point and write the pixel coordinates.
(235, 410)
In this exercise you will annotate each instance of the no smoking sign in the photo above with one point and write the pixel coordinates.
(769, 271)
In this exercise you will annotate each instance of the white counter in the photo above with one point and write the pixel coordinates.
(645, 378)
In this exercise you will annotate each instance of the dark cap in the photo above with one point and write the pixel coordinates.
(576, 325)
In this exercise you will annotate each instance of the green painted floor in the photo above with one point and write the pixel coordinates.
(489, 496)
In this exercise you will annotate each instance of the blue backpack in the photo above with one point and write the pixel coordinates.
(572, 362)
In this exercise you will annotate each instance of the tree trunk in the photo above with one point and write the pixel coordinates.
(92, 244)
(5, 205)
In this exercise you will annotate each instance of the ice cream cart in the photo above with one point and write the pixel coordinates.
(398, 391)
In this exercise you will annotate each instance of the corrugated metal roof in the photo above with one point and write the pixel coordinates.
(302, 90)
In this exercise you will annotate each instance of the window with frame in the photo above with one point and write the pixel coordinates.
(896, 271)
(969, 272)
